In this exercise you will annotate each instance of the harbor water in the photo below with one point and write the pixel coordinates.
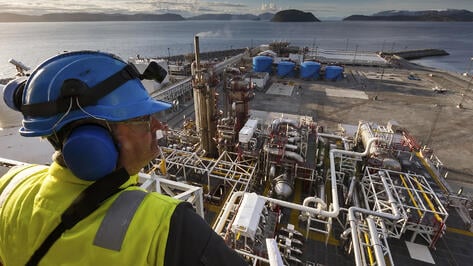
(33, 42)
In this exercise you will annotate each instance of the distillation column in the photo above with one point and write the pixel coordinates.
(205, 105)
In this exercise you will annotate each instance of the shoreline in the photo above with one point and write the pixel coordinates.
(443, 137)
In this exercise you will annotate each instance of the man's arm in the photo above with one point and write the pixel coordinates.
(191, 241)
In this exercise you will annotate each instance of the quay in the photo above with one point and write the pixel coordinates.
(416, 54)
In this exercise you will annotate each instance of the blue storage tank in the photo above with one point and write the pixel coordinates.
(286, 69)
(310, 70)
(333, 72)
(262, 63)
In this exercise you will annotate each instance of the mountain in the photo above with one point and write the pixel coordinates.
(56, 17)
(266, 16)
(425, 15)
(224, 17)
(293, 15)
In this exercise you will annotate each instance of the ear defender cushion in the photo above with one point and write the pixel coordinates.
(90, 152)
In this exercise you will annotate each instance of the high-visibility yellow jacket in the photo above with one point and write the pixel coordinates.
(130, 228)
(158, 232)
(33, 208)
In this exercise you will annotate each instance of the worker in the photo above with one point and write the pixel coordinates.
(86, 208)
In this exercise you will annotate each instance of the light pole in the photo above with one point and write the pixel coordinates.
(460, 105)
(469, 68)
(356, 50)
(465, 91)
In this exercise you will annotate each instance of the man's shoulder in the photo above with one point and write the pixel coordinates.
(19, 173)
(157, 201)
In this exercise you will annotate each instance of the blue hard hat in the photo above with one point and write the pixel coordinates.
(10, 90)
(59, 80)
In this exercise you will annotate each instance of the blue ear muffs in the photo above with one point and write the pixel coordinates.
(90, 153)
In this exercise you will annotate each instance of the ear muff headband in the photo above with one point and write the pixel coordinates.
(90, 153)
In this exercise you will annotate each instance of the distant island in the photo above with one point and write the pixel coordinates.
(58, 17)
(293, 15)
(264, 16)
(426, 15)
(290, 15)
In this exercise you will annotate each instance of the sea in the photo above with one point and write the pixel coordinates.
(33, 42)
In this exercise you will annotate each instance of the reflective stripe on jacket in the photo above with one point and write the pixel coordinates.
(31, 207)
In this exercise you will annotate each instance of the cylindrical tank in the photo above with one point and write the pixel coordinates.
(282, 186)
(262, 63)
(286, 69)
(310, 70)
(333, 72)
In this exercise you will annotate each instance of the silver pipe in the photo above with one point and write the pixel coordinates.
(316, 211)
(289, 154)
(350, 190)
(293, 139)
(332, 136)
(272, 171)
(274, 255)
(351, 217)
(291, 147)
(378, 251)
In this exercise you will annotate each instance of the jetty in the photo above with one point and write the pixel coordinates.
(416, 54)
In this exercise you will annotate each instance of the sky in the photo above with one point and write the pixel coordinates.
(320, 8)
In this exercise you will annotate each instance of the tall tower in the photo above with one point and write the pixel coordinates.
(204, 104)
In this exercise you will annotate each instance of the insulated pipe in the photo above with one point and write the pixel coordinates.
(272, 171)
(376, 244)
(332, 136)
(350, 189)
(335, 204)
(333, 175)
(289, 154)
(320, 203)
(345, 234)
(351, 217)
(293, 139)
(273, 252)
(294, 155)
(291, 147)
(276, 122)
(321, 190)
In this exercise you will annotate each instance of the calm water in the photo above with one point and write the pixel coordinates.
(31, 43)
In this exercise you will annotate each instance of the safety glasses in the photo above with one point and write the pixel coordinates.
(146, 119)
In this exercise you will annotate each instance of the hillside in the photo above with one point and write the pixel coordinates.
(224, 17)
(425, 15)
(293, 15)
(56, 17)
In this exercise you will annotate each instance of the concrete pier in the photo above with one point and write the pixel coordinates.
(416, 54)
